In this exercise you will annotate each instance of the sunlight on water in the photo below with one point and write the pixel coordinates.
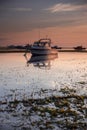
(47, 92)
(69, 69)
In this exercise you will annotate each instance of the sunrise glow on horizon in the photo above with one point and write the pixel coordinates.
(25, 21)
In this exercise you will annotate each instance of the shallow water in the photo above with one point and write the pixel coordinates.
(24, 77)
(69, 69)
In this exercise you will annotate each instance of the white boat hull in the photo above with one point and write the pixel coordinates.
(44, 51)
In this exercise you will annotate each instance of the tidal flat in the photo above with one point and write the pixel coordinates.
(53, 112)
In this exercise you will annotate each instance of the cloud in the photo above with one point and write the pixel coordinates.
(21, 9)
(16, 9)
(60, 7)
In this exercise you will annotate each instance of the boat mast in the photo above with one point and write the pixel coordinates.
(39, 33)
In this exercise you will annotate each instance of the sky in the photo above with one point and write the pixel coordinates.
(25, 21)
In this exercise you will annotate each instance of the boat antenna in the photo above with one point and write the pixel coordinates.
(39, 33)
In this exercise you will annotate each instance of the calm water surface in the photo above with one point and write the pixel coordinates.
(22, 79)
(69, 69)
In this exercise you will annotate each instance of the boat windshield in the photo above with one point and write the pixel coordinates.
(43, 43)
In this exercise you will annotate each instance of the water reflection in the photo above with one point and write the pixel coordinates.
(42, 62)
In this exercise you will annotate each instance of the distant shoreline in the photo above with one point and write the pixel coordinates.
(72, 51)
(12, 50)
(23, 50)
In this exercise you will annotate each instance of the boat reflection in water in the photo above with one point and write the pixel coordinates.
(42, 62)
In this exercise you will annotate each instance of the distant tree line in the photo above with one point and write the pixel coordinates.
(18, 46)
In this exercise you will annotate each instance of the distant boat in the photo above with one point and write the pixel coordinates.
(56, 47)
(43, 47)
(79, 48)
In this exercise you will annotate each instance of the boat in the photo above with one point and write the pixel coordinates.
(79, 48)
(56, 47)
(43, 47)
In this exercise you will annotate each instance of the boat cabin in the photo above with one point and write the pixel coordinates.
(43, 43)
